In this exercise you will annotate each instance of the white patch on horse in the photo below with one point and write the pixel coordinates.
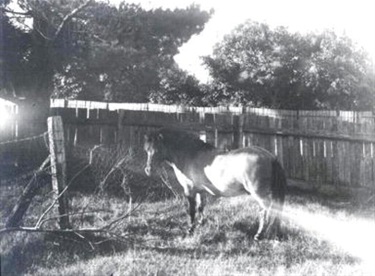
(185, 182)
(228, 176)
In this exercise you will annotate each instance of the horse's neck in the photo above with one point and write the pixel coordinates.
(178, 159)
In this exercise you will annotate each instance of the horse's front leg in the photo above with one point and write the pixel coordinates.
(192, 211)
(199, 199)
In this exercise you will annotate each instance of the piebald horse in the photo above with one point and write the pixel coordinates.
(200, 167)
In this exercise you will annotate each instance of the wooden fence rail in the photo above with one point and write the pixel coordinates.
(321, 147)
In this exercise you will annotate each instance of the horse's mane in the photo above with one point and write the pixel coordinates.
(182, 140)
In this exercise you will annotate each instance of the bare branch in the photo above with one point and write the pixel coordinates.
(44, 164)
(114, 168)
(69, 16)
(165, 179)
(84, 238)
(104, 229)
(24, 201)
(40, 220)
(28, 13)
(42, 34)
(56, 231)
(99, 38)
(64, 215)
(37, 225)
(115, 221)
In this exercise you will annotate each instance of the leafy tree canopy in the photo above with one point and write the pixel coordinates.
(260, 66)
(178, 87)
(130, 49)
(92, 50)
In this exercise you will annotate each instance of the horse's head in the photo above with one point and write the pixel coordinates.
(156, 152)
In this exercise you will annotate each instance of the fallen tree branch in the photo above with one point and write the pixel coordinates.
(113, 169)
(165, 179)
(114, 222)
(56, 231)
(64, 215)
(104, 229)
(41, 218)
(28, 13)
(28, 194)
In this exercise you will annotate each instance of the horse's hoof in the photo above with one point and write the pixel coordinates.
(188, 233)
(191, 231)
(280, 236)
(202, 222)
(257, 237)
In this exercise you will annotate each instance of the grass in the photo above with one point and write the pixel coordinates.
(157, 245)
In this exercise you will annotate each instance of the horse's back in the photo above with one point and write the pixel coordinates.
(258, 152)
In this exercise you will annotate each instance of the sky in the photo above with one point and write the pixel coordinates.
(355, 18)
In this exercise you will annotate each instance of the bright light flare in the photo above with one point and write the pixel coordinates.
(356, 236)
(4, 116)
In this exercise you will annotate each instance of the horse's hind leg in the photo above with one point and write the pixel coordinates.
(263, 217)
(263, 214)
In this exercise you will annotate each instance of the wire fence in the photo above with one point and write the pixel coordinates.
(117, 170)
(95, 175)
(20, 158)
(24, 163)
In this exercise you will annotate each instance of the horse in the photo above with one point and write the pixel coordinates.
(201, 168)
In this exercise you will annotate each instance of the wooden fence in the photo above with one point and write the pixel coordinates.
(320, 147)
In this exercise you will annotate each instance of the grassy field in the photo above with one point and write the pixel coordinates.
(153, 240)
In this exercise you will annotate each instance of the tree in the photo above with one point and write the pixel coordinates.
(260, 66)
(129, 50)
(92, 50)
(46, 45)
(12, 65)
(179, 87)
(340, 74)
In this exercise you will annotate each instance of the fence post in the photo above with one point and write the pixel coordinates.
(58, 168)
(238, 122)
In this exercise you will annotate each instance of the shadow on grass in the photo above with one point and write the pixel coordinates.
(56, 250)
(167, 227)
(334, 198)
(247, 227)
(237, 242)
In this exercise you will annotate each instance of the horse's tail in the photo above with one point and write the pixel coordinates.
(278, 183)
(278, 188)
